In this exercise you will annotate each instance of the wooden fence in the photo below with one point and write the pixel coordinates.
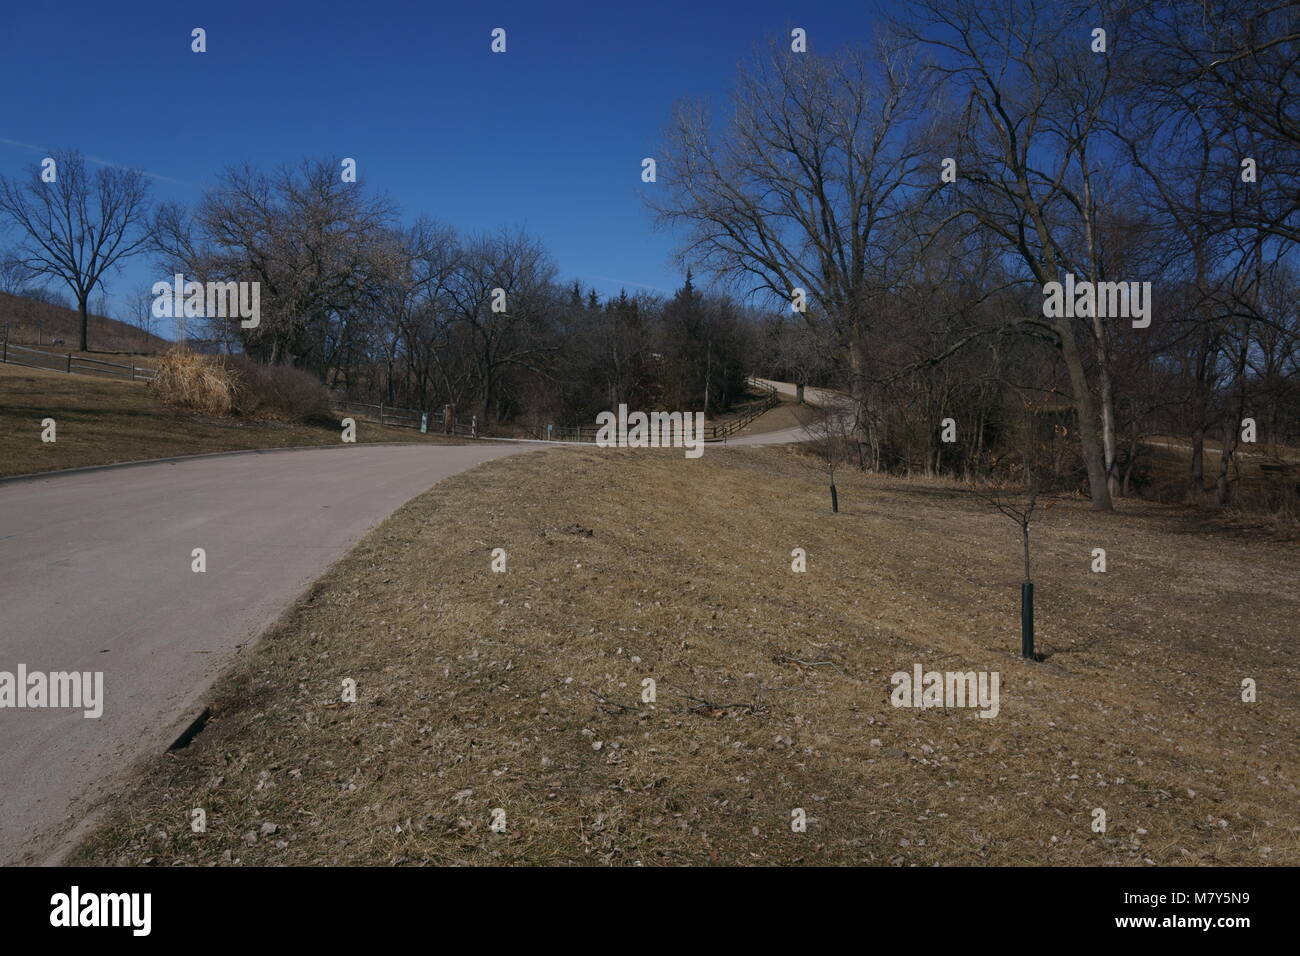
(436, 422)
(444, 422)
(29, 357)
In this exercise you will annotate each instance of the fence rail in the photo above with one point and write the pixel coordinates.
(28, 357)
(408, 418)
(446, 423)
(713, 431)
(769, 401)
(383, 414)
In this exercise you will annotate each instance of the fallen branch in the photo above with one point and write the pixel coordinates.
(717, 710)
(787, 659)
(612, 703)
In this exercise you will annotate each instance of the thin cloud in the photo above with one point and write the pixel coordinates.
(101, 162)
(639, 285)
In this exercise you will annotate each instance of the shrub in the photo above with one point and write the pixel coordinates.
(239, 385)
(277, 391)
(196, 382)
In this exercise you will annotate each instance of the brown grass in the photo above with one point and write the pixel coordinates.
(521, 690)
(102, 422)
(35, 323)
(1260, 498)
(785, 415)
(194, 382)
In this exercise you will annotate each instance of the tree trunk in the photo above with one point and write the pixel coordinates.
(1107, 397)
(1105, 389)
(1093, 459)
(858, 376)
(708, 374)
(1024, 530)
(1196, 481)
(85, 319)
(1222, 489)
(874, 438)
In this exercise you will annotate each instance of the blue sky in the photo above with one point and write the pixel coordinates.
(548, 136)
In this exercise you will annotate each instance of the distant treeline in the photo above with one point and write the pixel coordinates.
(424, 316)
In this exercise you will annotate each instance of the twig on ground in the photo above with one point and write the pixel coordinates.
(611, 703)
(787, 659)
(719, 709)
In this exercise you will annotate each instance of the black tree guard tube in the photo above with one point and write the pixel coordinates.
(1027, 620)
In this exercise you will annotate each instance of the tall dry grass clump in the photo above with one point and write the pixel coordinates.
(196, 382)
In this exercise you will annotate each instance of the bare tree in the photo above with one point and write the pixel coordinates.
(141, 314)
(501, 293)
(1019, 504)
(1213, 87)
(804, 187)
(315, 244)
(834, 431)
(412, 302)
(1025, 133)
(78, 226)
(13, 275)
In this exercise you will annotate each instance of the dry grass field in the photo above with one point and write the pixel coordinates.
(102, 422)
(31, 322)
(522, 690)
(1265, 480)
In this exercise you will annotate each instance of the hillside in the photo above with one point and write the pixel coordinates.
(32, 322)
(103, 422)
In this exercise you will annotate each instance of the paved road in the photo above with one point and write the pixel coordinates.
(782, 436)
(820, 397)
(832, 401)
(95, 575)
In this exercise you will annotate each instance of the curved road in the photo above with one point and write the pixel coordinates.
(831, 401)
(95, 575)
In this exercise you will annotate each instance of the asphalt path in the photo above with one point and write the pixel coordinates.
(96, 575)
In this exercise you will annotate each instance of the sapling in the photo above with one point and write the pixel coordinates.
(831, 430)
(1019, 507)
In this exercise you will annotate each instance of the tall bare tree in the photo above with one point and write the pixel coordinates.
(804, 186)
(13, 275)
(1027, 126)
(77, 226)
(314, 243)
(1212, 121)
(502, 294)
